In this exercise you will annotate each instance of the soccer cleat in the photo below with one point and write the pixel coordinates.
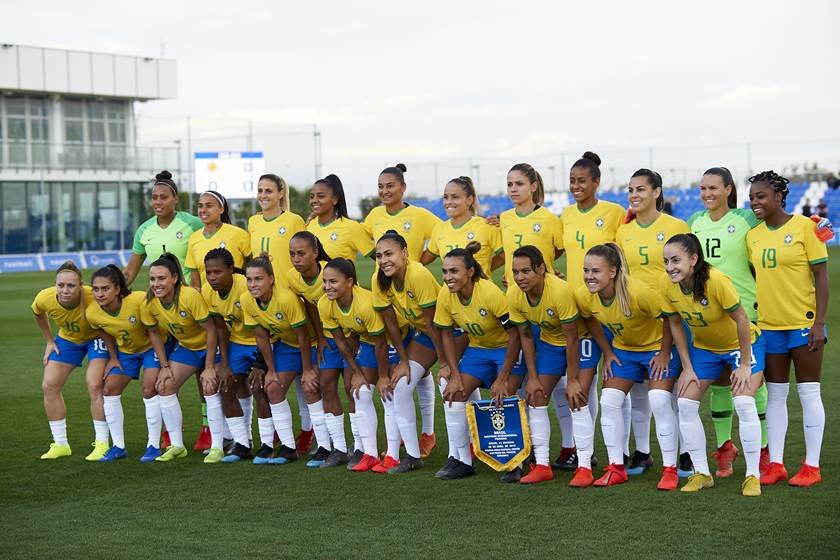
(539, 473)
(100, 448)
(685, 468)
(366, 463)
(764, 459)
(582, 479)
(408, 463)
(639, 463)
(512, 476)
(57, 451)
(203, 441)
(303, 442)
(725, 456)
(318, 458)
(354, 459)
(214, 456)
(567, 460)
(114, 454)
(165, 441)
(669, 479)
(283, 455)
(775, 473)
(237, 452)
(807, 476)
(427, 443)
(385, 465)
(697, 482)
(150, 455)
(613, 474)
(171, 454)
(458, 470)
(335, 459)
(751, 486)
(227, 445)
(263, 456)
(447, 466)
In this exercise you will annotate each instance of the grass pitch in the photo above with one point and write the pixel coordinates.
(72, 509)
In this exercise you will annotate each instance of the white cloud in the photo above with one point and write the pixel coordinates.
(748, 94)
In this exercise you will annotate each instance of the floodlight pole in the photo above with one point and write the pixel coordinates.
(316, 151)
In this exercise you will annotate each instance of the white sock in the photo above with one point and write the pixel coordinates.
(564, 415)
(640, 414)
(354, 431)
(335, 426)
(281, 415)
(475, 395)
(426, 400)
(115, 419)
(749, 428)
(238, 430)
(612, 423)
(227, 433)
(592, 401)
(367, 421)
(247, 413)
(584, 436)
(666, 425)
(319, 424)
(266, 428)
(100, 428)
(305, 420)
(406, 415)
(215, 420)
(695, 437)
(813, 420)
(675, 405)
(626, 417)
(170, 410)
(456, 424)
(453, 451)
(154, 420)
(540, 433)
(59, 431)
(392, 430)
(777, 420)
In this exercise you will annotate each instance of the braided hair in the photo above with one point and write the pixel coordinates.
(776, 181)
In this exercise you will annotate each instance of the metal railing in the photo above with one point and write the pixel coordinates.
(85, 157)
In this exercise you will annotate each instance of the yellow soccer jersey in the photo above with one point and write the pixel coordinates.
(711, 326)
(125, 326)
(360, 318)
(181, 319)
(280, 317)
(555, 307)
(273, 236)
(782, 259)
(309, 291)
(229, 308)
(234, 239)
(72, 323)
(642, 246)
(342, 238)
(481, 317)
(540, 228)
(583, 229)
(642, 330)
(415, 224)
(420, 291)
(447, 236)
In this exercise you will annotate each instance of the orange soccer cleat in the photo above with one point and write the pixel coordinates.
(583, 478)
(165, 443)
(303, 442)
(669, 479)
(764, 459)
(725, 455)
(775, 473)
(382, 466)
(613, 474)
(366, 463)
(203, 441)
(539, 473)
(427, 443)
(807, 476)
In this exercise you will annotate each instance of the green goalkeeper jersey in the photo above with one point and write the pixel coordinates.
(152, 241)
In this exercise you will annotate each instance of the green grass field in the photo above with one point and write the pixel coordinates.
(72, 509)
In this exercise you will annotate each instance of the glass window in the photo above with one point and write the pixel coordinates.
(85, 217)
(110, 220)
(62, 199)
(15, 232)
(74, 124)
(116, 122)
(38, 197)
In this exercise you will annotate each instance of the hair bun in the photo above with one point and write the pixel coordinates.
(401, 167)
(164, 176)
(592, 156)
(473, 247)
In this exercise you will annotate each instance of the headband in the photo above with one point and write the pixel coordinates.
(214, 195)
(174, 191)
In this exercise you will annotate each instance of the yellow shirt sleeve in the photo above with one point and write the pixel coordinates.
(146, 316)
(665, 286)
(494, 239)
(424, 286)
(582, 300)
(327, 320)
(514, 296)
(380, 298)
(373, 322)
(815, 250)
(293, 308)
(243, 245)
(190, 261)
(723, 291)
(362, 240)
(248, 304)
(196, 306)
(443, 316)
(432, 247)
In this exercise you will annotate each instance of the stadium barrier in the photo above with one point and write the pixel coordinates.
(35, 262)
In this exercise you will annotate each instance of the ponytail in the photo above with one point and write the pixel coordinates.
(333, 183)
(538, 196)
(611, 253)
(113, 273)
(225, 218)
(691, 245)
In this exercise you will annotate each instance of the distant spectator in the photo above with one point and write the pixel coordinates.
(806, 210)
(833, 181)
(822, 209)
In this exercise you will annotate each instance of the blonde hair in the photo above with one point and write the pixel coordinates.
(281, 187)
(611, 253)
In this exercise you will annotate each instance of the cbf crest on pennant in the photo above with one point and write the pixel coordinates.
(500, 435)
(497, 418)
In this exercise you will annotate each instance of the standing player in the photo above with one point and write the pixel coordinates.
(641, 240)
(65, 303)
(340, 236)
(723, 339)
(218, 232)
(792, 280)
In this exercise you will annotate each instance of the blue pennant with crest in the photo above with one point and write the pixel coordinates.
(500, 434)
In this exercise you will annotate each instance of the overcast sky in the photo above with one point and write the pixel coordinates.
(498, 82)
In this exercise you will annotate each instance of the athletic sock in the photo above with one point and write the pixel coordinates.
(813, 420)
(761, 407)
(721, 404)
(406, 415)
(215, 420)
(319, 424)
(59, 431)
(247, 405)
(335, 426)
(640, 415)
(114, 420)
(154, 421)
(426, 400)
(584, 436)
(592, 400)
(683, 447)
(626, 418)
(392, 430)
(456, 424)
(266, 429)
(749, 428)
(695, 438)
(227, 434)
(170, 410)
(238, 430)
(612, 423)
(564, 415)
(540, 433)
(305, 419)
(100, 429)
(203, 413)
(354, 431)
(281, 415)
(666, 425)
(367, 420)
(453, 451)
(777, 420)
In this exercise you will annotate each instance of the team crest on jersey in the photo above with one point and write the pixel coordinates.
(334, 236)
(179, 235)
(660, 236)
(497, 418)
(406, 226)
(222, 245)
(359, 321)
(237, 305)
(788, 239)
(731, 229)
(279, 316)
(550, 312)
(599, 223)
(704, 302)
(132, 319)
(183, 313)
(537, 228)
(470, 236)
(482, 312)
(410, 294)
(282, 230)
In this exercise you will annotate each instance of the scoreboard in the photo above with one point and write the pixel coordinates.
(233, 174)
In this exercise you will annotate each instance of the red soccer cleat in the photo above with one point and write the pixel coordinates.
(427, 443)
(669, 480)
(303, 442)
(203, 441)
(366, 463)
(725, 456)
(472, 451)
(807, 476)
(539, 473)
(613, 474)
(583, 478)
(764, 460)
(165, 443)
(382, 466)
(775, 473)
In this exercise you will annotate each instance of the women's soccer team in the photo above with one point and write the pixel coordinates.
(660, 309)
